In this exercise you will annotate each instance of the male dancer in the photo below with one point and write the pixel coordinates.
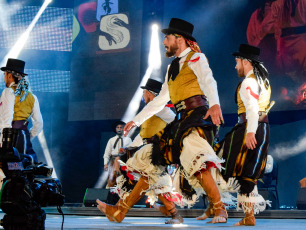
(245, 147)
(126, 182)
(17, 105)
(186, 141)
(112, 150)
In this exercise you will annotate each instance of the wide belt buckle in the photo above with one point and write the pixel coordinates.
(180, 106)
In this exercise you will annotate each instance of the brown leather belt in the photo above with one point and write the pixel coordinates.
(191, 103)
(263, 117)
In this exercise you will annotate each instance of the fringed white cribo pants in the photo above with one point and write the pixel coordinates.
(254, 200)
(196, 151)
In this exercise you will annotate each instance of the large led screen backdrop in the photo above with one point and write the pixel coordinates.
(106, 54)
(105, 58)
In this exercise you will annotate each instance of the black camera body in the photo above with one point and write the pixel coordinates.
(26, 188)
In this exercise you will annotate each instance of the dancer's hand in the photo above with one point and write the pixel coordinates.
(128, 127)
(250, 141)
(105, 167)
(216, 115)
(122, 151)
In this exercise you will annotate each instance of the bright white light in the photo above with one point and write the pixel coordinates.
(15, 51)
(7, 11)
(154, 64)
(134, 103)
(102, 180)
(154, 27)
(154, 55)
(44, 146)
(179, 225)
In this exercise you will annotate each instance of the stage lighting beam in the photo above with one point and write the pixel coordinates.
(154, 60)
(16, 49)
(44, 146)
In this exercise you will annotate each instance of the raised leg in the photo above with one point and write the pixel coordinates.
(118, 212)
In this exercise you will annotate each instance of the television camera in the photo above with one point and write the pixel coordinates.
(26, 188)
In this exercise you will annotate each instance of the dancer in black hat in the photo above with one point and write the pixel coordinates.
(245, 147)
(127, 181)
(187, 140)
(112, 152)
(17, 105)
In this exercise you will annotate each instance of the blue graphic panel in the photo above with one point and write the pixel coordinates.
(105, 7)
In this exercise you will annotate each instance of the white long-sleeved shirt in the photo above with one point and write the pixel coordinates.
(166, 114)
(205, 79)
(110, 150)
(249, 85)
(7, 103)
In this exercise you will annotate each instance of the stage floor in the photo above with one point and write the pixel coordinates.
(53, 222)
(149, 218)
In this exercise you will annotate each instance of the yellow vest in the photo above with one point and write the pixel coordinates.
(263, 101)
(22, 110)
(185, 85)
(152, 126)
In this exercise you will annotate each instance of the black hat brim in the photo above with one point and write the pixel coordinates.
(6, 69)
(149, 88)
(179, 32)
(250, 57)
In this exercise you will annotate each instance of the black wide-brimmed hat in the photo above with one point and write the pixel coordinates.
(152, 85)
(114, 125)
(249, 52)
(181, 27)
(15, 65)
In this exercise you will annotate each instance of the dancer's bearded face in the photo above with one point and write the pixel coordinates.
(239, 67)
(171, 50)
(170, 44)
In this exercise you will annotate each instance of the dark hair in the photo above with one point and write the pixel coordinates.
(15, 75)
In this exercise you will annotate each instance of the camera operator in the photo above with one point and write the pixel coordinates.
(17, 105)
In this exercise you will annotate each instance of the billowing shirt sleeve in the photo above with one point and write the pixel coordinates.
(136, 142)
(108, 151)
(7, 102)
(127, 141)
(166, 114)
(205, 78)
(249, 93)
(37, 120)
(154, 106)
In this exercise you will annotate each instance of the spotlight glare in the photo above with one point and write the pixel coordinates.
(154, 55)
(154, 27)
(43, 142)
(154, 64)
